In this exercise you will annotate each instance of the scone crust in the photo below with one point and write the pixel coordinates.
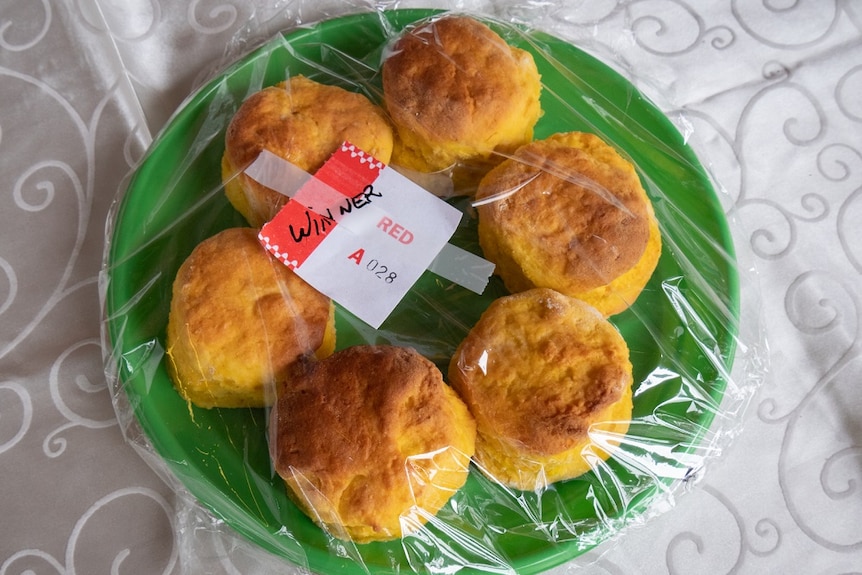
(456, 90)
(303, 122)
(537, 371)
(238, 319)
(569, 213)
(367, 438)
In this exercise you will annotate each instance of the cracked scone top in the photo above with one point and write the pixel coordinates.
(569, 213)
(303, 122)
(238, 318)
(456, 93)
(370, 441)
(548, 380)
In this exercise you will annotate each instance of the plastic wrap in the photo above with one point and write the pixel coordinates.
(696, 360)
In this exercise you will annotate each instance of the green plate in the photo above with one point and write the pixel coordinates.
(681, 331)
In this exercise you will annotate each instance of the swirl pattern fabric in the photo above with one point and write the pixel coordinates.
(769, 92)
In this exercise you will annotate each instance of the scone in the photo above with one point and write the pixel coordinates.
(303, 122)
(370, 441)
(238, 319)
(456, 93)
(548, 380)
(569, 213)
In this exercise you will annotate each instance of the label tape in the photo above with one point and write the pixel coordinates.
(362, 233)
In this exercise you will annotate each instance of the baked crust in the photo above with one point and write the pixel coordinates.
(303, 122)
(569, 213)
(371, 441)
(540, 371)
(238, 319)
(456, 93)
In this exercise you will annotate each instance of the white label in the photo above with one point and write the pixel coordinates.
(371, 235)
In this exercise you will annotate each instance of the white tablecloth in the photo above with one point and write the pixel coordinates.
(773, 91)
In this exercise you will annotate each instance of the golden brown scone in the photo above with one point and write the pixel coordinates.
(238, 319)
(303, 122)
(540, 372)
(570, 214)
(456, 92)
(370, 441)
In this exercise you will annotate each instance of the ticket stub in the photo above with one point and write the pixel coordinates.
(360, 232)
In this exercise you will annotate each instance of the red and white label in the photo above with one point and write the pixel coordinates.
(359, 232)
